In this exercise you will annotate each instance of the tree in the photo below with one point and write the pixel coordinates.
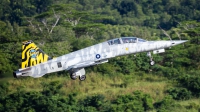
(41, 5)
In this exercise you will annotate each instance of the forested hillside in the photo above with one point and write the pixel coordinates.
(126, 83)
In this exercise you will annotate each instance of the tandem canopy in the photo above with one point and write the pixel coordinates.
(124, 40)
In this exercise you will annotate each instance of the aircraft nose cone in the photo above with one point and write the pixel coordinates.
(176, 42)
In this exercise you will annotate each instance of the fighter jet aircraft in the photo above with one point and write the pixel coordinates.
(36, 63)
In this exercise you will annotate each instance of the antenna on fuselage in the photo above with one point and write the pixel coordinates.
(165, 33)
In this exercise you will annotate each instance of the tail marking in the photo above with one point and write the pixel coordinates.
(32, 55)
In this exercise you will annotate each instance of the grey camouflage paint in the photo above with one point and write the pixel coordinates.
(96, 54)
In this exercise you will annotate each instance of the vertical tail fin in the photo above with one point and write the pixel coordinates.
(32, 55)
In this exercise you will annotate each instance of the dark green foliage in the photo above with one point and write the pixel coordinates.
(22, 101)
(126, 65)
(4, 66)
(166, 105)
(38, 101)
(142, 62)
(179, 93)
(81, 43)
(191, 82)
(105, 69)
(13, 11)
(125, 6)
(87, 29)
(51, 88)
(149, 13)
(35, 101)
(138, 102)
(95, 103)
(170, 72)
(41, 5)
(4, 89)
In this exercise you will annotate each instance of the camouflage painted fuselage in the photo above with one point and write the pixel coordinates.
(93, 55)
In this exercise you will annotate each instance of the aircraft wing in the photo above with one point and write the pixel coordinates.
(86, 64)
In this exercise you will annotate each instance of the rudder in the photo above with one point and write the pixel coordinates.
(32, 55)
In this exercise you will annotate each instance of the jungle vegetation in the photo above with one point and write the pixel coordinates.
(126, 83)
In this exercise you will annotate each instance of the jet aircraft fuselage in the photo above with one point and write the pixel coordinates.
(75, 62)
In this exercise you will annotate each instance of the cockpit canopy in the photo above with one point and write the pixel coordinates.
(124, 40)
